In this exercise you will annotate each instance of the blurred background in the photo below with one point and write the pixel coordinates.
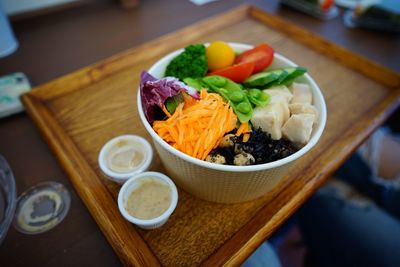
(356, 213)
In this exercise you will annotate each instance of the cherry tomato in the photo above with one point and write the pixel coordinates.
(219, 55)
(262, 55)
(237, 73)
(326, 4)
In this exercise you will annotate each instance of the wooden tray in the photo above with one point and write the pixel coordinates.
(79, 112)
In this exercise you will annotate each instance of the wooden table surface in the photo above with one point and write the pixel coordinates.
(56, 44)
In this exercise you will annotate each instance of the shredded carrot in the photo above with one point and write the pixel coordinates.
(189, 101)
(197, 126)
(243, 128)
(246, 137)
(166, 111)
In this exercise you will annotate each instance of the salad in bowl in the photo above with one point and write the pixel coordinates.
(228, 109)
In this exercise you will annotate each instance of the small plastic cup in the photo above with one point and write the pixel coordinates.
(122, 177)
(132, 184)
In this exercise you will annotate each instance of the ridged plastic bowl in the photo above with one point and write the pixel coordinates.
(227, 183)
(8, 197)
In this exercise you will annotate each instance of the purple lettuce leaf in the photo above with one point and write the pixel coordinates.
(154, 92)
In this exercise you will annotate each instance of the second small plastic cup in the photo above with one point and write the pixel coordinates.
(132, 184)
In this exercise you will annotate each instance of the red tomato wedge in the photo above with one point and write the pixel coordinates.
(237, 73)
(262, 56)
(326, 4)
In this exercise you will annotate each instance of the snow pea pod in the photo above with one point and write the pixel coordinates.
(232, 92)
(258, 97)
(194, 82)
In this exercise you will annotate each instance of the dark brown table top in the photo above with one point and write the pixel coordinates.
(55, 44)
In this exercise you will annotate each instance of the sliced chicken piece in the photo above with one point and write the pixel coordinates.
(298, 108)
(298, 128)
(270, 118)
(285, 109)
(301, 93)
(281, 96)
(279, 102)
(278, 92)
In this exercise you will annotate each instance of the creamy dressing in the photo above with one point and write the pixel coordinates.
(149, 200)
(125, 156)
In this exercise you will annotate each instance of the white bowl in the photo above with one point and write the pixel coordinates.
(132, 184)
(120, 177)
(228, 183)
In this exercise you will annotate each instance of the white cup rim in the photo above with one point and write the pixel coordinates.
(121, 177)
(135, 179)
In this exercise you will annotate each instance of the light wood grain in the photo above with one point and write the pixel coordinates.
(78, 113)
(268, 219)
(96, 197)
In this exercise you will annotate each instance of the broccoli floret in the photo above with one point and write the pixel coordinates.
(190, 63)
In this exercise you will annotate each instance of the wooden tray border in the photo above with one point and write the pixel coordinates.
(261, 226)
